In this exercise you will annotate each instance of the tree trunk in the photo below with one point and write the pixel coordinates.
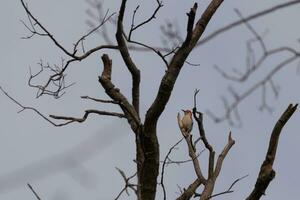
(147, 162)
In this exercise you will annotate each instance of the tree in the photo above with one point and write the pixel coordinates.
(173, 56)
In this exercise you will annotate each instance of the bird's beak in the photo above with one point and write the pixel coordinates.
(183, 110)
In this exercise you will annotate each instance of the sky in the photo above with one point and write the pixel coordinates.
(79, 161)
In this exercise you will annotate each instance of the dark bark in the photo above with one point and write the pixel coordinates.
(266, 173)
(190, 191)
(116, 95)
(150, 166)
(135, 72)
(150, 142)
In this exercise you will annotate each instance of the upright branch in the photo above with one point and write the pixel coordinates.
(209, 187)
(150, 166)
(192, 151)
(199, 119)
(135, 72)
(267, 173)
(191, 20)
(116, 95)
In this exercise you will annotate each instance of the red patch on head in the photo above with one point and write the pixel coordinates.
(188, 111)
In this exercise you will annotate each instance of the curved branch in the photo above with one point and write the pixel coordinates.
(229, 190)
(32, 109)
(68, 120)
(266, 173)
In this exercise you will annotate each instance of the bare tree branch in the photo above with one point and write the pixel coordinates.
(229, 190)
(153, 16)
(33, 191)
(164, 93)
(192, 151)
(266, 173)
(216, 33)
(87, 112)
(67, 119)
(157, 52)
(127, 185)
(249, 18)
(252, 65)
(47, 33)
(31, 108)
(56, 80)
(147, 146)
(209, 187)
(231, 107)
(60, 46)
(99, 100)
(169, 79)
(221, 157)
(81, 39)
(135, 72)
(116, 95)
(163, 168)
(55, 85)
(199, 119)
(190, 191)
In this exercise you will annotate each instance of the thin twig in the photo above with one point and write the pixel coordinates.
(68, 119)
(33, 191)
(99, 100)
(127, 184)
(163, 168)
(153, 16)
(229, 189)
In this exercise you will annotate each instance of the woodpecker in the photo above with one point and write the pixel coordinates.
(187, 121)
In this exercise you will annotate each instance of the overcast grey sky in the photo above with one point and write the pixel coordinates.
(32, 150)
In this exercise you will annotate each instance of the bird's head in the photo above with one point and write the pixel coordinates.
(187, 112)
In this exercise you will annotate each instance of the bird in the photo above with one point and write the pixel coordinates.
(187, 121)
